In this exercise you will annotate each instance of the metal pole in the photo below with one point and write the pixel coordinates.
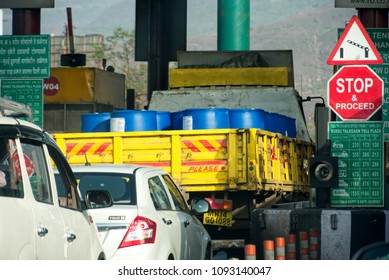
(70, 29)
(158, 64)
(233, 25)
(26, 21)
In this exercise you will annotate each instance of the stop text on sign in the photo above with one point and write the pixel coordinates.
(351, 85)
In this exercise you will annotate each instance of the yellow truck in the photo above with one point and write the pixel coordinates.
(236, 169)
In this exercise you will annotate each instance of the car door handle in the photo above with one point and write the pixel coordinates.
(70, 237)
(42, 231)
(168, 222)
(186, 223)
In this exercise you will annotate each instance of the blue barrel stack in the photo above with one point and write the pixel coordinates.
(189, 119)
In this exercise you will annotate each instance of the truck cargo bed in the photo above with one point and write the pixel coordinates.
(202, 160)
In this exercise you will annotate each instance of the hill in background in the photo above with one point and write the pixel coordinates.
(307, 27)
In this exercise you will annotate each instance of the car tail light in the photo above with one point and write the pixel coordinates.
(220, 204)
(140, 231)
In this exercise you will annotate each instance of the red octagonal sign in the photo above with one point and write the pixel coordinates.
(355, 92)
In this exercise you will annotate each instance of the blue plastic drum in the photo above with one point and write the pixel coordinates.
(290, 124)
(95, 122)
(281, 123)
(135, 120)
(271, 122)
(176, 118)
(247, 118)
(275, 122)
(163, 120)
(206, 118)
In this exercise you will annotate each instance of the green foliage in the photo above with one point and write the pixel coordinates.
(119, 51)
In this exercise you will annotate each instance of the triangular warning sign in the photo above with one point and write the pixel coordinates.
(354, 46)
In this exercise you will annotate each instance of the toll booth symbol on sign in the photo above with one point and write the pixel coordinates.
(354, 46)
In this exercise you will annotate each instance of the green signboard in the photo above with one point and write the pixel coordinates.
(358, 146)
(24, 56)
(383, 72)
(380, 38)
(28, 92)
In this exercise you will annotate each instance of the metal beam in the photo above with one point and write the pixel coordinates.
(383, 4)
(26, 4)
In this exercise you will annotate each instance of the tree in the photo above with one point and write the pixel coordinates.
(119, 51)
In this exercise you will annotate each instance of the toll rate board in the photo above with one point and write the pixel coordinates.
(359, 148)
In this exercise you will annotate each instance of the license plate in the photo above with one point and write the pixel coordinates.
(218, 218)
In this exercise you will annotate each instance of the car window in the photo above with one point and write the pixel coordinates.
(121, 186)
(10, 185)
(177, 197)
(158, 194)
(66, 190)
(36, 167)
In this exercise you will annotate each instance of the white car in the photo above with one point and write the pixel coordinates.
(149, 219)
(38, 218)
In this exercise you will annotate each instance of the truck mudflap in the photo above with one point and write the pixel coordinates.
(228, 244)
(228, 248)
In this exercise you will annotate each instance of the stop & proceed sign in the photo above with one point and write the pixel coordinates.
(355, 92)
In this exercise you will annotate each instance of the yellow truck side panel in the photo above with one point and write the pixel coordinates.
(201, 160)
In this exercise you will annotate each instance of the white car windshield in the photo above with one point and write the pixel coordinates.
(121, 186)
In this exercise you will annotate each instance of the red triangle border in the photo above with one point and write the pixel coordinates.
(354, 19)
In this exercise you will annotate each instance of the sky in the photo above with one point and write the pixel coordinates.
(91, 16)
(121, 13)
(103, 16)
